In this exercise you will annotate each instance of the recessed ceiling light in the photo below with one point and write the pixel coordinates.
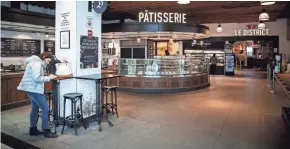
(183, 2)
(267, 3)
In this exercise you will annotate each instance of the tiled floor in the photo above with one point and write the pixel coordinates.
(3, 146)
(286, 79)
(234, 113)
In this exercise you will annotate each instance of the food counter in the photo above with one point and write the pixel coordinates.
(163, 75)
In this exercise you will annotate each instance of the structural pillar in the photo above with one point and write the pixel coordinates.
(78, 40)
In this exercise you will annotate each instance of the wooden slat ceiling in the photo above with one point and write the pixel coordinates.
(204, 12)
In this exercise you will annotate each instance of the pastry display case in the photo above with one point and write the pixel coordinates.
(163, 74)
(161, 67)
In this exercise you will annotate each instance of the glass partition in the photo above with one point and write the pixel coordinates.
(162, 66)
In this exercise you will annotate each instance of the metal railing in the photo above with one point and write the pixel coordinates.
(272, 77)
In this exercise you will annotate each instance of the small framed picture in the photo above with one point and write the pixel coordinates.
(64, 39)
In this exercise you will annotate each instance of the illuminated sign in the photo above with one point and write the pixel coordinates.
(161, 17)
(252, 32)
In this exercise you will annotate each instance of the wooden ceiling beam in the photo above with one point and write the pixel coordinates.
(192, 5)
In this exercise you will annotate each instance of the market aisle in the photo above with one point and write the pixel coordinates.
(234, 113)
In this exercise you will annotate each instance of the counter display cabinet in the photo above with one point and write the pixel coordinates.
(207, 54)
(163, 74)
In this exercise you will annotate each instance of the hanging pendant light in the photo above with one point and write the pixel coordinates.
(267, 3)
(201, 43)
(138, 40)
(170, 40)
(182, 2)
(46, 34)
(264, 16)
(219, 29)
(261, 25)
(194, 42)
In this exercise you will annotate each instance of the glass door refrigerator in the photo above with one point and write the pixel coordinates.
(229, 64)
(278, 63)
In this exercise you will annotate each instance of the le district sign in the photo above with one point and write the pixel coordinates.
(252, 31)
(161, 17)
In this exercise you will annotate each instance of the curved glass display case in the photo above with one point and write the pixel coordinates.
(162, 66)
(163, 74)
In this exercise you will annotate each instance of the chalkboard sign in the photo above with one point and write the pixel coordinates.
(89, 52)
(10, 47)
(49, 46)
(30, 47)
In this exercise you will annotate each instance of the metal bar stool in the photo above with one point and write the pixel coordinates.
(75, 115)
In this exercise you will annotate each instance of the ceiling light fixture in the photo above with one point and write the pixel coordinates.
(261, 25)
(194, 42)
(201, 43)
(138, 40)
(267, 3)
(264, 16)
(182, 2)
(113, 39)
(219, 28)
(170, 40)
(46, 34)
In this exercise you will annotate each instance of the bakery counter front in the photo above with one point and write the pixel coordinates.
(162, 75)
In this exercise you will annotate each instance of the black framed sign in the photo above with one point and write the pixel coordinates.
(11, 47)
(30, 47)
(64, 39)
(89, 52)
(49, 46)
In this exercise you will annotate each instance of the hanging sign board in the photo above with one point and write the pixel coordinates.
(161, 17)
(100, 6)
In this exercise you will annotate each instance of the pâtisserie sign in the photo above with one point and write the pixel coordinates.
(252, 32)
(161, 17)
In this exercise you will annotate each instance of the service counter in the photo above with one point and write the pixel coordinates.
(168, 83)
(10, 96)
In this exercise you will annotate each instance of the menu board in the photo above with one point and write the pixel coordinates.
(30, 47)
(10, 47)
(89, 52)
(49, 46)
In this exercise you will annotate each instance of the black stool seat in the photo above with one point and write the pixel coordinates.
(48, 92)
(72, 95)
(75, 115)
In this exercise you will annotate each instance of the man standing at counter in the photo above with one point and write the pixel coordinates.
(213, 62)
(33, 84)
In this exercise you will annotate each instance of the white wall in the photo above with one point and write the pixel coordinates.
(277, 28)
(22, 35)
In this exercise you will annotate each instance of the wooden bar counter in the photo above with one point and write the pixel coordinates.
(10, 96)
